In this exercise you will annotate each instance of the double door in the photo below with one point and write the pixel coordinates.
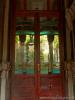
(33, 77)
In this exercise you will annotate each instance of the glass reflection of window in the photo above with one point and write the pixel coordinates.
(24, 56)
(44, 51)
(49, 55)
(56, 58)
(47, 24)
(55, 69)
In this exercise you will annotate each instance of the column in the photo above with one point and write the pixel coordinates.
(5, 49)
(68, 66)
(68, 45)
(1, 36)
(3, 84)
(4, 75)
(1, 26)
(5, 33)
(74, 39)
(70, 82)
(69, 75)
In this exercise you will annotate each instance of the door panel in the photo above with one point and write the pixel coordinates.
(23, 87)
(23, 78)
(51, 83)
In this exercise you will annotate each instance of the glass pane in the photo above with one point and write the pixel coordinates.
(24, 55)
(49, 25)
(49, 54)
(24, 25)
(56, 57)
(44, 53)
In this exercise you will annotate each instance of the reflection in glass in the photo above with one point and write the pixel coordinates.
(24, 24)
(44, 52)
(49, 54)
(48, 24)
(24, 55)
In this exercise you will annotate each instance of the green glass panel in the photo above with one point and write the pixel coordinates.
(41, 33)
(26, 26)
(56, 71)
(24, 32)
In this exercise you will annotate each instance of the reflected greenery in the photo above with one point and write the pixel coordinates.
(51, 32)
(24, 55)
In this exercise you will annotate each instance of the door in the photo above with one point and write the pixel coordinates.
(37, 74)
(50, 75)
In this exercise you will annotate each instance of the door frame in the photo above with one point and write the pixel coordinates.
(36, 14)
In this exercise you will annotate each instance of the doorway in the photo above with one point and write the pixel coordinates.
(37, 74)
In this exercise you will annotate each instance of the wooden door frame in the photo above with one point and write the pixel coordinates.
(36, 14)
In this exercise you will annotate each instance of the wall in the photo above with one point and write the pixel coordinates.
(70, 53)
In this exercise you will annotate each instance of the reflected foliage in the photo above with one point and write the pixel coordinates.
(24, 55)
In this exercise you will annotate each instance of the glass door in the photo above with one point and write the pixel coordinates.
(37, 63)
(24, 79)
(36, 59)
(24, 54)
(50, 77)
